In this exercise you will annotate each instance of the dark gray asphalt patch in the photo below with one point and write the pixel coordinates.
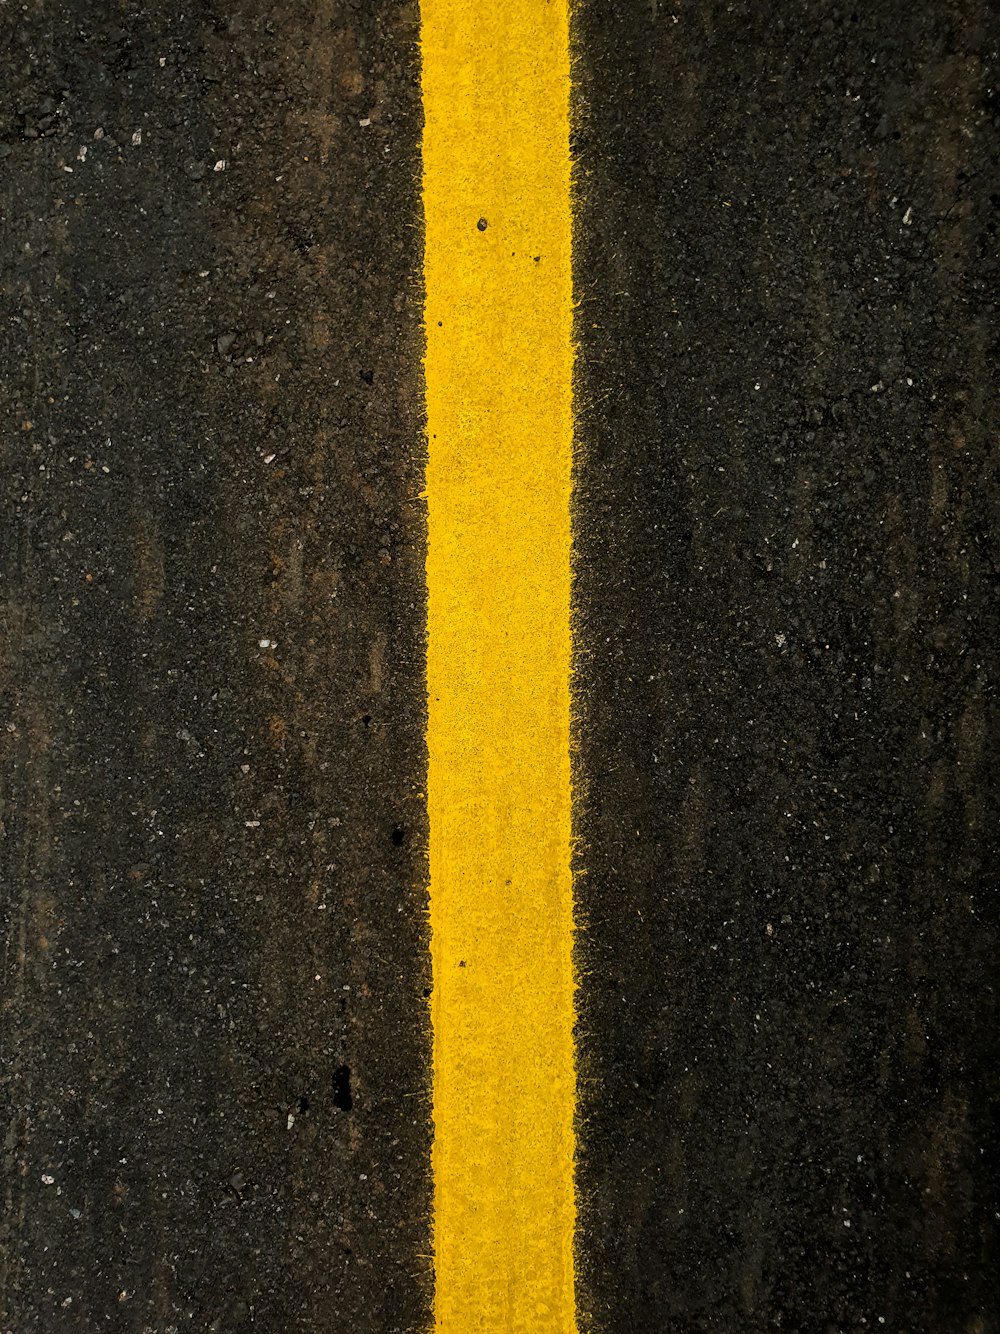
(213, 1046)
(787, 584)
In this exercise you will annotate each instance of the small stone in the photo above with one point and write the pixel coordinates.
(237, 1181)
(194, 168)
(224, 342)
(482, 224)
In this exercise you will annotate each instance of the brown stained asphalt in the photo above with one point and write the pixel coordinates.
(213, 569)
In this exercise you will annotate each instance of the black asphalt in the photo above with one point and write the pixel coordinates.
(214, 1057)
(788, 552)
(212, 556)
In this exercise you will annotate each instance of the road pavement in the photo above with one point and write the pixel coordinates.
(215, 1047)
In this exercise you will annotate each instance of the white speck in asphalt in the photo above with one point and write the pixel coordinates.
(908, 217)
(47, 1180)
(220, 165)
(137, 139)
(365, 123)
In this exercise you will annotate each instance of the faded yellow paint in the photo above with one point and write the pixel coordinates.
(496, 193)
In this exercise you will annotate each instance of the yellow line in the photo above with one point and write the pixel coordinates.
(499, 416)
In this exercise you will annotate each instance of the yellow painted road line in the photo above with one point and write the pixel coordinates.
(496, 193)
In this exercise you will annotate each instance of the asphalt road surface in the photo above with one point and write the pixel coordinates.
(214, 1048)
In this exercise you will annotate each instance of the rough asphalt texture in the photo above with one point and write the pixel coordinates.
(789, 546)
(213, 883)
(213, 1046)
